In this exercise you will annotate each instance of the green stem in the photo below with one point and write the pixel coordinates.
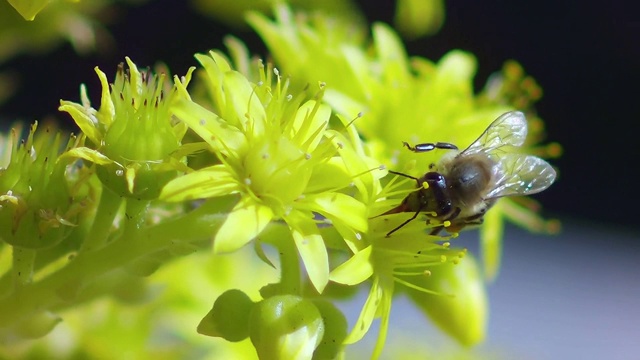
(101, 228)
(135, 214)
(65, 284)
(22, 267)
(290, 278)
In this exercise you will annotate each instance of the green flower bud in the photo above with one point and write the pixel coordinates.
(136, 138)
(37, 205)
(286, 327)
(229, 317)
(335, 331)
(461, 309)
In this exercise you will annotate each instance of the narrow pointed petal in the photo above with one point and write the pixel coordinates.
(311, 248)
(367, 314)
(244, 223)
(205, 183)
(355, 270)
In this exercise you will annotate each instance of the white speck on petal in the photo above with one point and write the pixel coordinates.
(119, 172)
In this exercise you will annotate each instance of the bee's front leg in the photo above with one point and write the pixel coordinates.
(430, 146)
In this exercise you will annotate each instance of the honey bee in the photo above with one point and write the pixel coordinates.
(464, 185)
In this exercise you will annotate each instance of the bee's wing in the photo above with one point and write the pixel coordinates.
(510, 129)
(520, 174)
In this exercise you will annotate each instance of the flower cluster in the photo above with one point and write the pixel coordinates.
(291, 159)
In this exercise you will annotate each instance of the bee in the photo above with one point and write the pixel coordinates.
(464, 185)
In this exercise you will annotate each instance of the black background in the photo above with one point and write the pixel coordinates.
(585, 55)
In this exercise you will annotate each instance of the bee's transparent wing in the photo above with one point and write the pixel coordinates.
(520, 174)
(510, 129)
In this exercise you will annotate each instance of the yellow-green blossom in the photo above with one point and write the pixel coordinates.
(404, 259)
(402, 99)
(276, 153)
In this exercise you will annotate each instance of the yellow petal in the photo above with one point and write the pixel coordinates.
(210, 127)
(355, 270)
(201, 184)
(311, 119)
(491, 241)
(244, 223)
(311, 248)
(367, 314)
(343, 208)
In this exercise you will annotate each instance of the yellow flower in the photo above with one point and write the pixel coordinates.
(277, 154)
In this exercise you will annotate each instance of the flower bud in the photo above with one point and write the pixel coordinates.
(38, 207)
(229, 317)
(286, 327)
(335, 331)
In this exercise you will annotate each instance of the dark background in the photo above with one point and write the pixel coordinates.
(586, 57)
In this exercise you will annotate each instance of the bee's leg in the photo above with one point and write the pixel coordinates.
(454, 214)
(404, 223)
(429, 146)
